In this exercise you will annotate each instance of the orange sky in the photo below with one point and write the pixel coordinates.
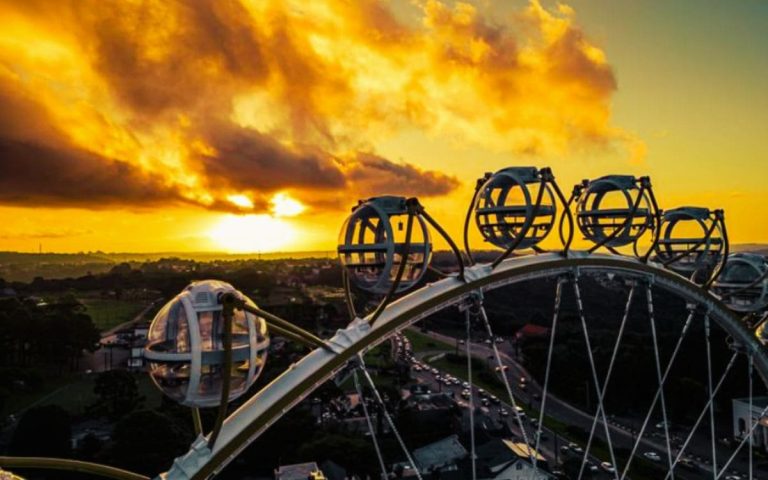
(256, 125)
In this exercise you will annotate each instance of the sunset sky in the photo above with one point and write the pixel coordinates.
(247, 125)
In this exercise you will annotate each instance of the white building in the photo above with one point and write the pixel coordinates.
(743, 420)
(504, 459)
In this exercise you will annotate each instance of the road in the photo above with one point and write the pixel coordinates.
(621, 436)
(111, 353)
(550, 443)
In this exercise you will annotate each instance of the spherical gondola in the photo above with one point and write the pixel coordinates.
(743, 283)
(514, 207)
(691, 240)
(614, 210)
(185, 349)
(373, 242)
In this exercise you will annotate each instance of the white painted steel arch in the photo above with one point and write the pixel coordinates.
(273, 401)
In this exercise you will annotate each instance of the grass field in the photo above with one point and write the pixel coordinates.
(108, 313)
(74, 393)
(77, 395)
(424, 343)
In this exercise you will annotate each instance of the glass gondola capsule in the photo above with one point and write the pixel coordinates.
(614, 211)
(690, 240)
(372, 242)
(185, 350)
(507, 202)
(743, 283)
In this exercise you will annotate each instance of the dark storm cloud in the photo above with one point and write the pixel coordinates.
(40, 166)
(376, 175)
(246, 159)
(35, 174)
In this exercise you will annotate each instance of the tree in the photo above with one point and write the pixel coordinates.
(118, 393)
(43, 432)
(146, 441)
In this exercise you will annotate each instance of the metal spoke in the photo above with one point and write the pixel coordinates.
(598, 389)
(683, 333)
(748, 435)
(389, 420)
(704, 411)
(750, 368)
(652, 319)
(370, 425)
(711, 398)
(553, 331)
(601, 396)
(511, 396)
(471, 395)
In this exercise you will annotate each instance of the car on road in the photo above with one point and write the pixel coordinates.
(485, 402)
(465, 394)
(495, 399)
(499, 340)
(653, 456)
(503, 367)
(487, 341)
(688, 464)
(575, 448)
(465, 385)
(461, 342)
(607, 467)
(503, 412)
(434, 371)
(482, 392)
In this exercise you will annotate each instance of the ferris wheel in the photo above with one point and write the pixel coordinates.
(661, 278)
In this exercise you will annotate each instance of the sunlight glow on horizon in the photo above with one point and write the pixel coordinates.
(252, 234)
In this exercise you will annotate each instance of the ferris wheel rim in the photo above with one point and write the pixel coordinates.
(413, 307)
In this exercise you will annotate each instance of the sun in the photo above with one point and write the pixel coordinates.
(285, 206)
(252, 233)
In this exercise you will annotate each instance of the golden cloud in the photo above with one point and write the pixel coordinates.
(151, 102)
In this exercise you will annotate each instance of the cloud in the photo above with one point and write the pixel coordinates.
(39, 165)
(148, 103)
(372, 175)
